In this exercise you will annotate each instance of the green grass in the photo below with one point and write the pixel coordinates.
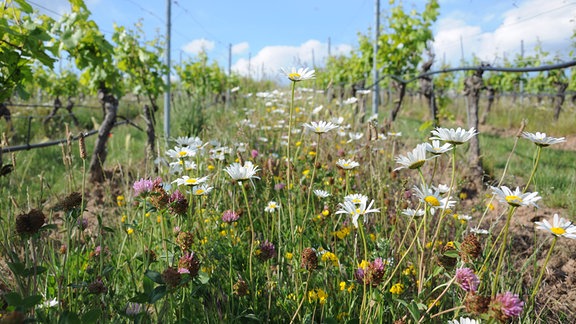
(132, 248)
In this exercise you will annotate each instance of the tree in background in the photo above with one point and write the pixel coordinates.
(81, 38)
(142, 66)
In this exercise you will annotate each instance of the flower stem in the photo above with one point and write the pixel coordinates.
(288, 164)
(534, 168)
(252, 235)
(502, 248)
(539, 280)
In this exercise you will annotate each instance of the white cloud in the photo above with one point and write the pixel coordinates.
(269, 60)
(529, 22)
(198, 45)
(240, 48)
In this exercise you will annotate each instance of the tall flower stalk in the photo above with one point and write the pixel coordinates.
(294, 76)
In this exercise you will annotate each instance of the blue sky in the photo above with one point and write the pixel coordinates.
(266, 35)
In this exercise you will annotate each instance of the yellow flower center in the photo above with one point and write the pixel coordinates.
(191, 181)
(182, 153)
(514, 200)
(294, 76)
(346, 165)
(432, 201)
(199, 191)
(558, 230)
(417, 164)
(272, 206)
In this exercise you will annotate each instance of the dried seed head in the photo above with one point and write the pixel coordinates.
(476, 304)
(82, 146)
(185, 240)
(72, 201)
(30, 223)
(309, 259)
(171, 277)
(97, 287)
(241, 288)
(470, 248)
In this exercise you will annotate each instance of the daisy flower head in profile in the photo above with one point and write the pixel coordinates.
(559, 227)
(301, 74)
(541, 139)
(412, 212)
(413, 160)
(516, 198)
(239, 172)
(320, 127)
(347, 164)
(437, 149)
(321, 193)
(453, 136)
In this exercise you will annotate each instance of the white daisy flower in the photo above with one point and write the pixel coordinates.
(464, 320)
(187, 181)
(320, 127)
(414, 159)
(394, 134)
(299, 75)
(356, 198)
(321, 193)
(354, 136)
(347, 164)
(180, 152)
(437, 149)
(239, 172)
(477, 230)
(181, 166)
(201, 190)
(271, 207)
(542, 140)
(559, 227)
(516, 198)
(413, 212)
(453, 136)
(356, 210)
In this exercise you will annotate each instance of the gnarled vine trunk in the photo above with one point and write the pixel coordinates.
(110, 104)
(560, 95)
(472, 87)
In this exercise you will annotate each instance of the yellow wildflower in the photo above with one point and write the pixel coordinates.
(120, 201)
(325, 212)
(289, 256)
(123, 219)
(397, 289)
(129, 231)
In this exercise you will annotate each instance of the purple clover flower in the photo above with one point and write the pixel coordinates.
(467, 279)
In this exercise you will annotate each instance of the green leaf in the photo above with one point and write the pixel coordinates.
(13, 299)
(141, 298)
(31, 301)
(92, 316)
(69, 318)
(34, 271)
(154, 276)
(157, 294)
(17, 268)
(24, 6)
